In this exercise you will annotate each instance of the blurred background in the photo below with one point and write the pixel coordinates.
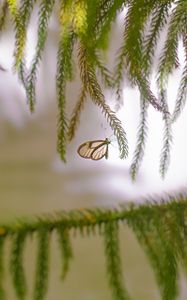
(33, 180)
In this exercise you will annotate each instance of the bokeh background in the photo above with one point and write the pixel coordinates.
(33, 180)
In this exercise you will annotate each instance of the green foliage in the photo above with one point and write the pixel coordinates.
(165, 154)
(89, 24)
(42, 265)
(160, 228)
(2, 292)
(3, 14)
(141, 137)
(16, 264)
(66, 250)
(113, 261)
(90, 83)
(45, 11)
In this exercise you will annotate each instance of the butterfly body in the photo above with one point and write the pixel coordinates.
(94, 150)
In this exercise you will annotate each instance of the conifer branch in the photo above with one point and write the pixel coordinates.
(182, 91)
(3, 14)
(169, 57)
(45, 12)
(106, 75)
(153, 238)
(42, 265)
(16, 265)
(2, 292)
(75, 118)
(159, 19)
(90, 83)
(108, 11)
(165, 153)
(113, 261)
(64, 73)
(141, 139)
(21, 21)
(66, 250)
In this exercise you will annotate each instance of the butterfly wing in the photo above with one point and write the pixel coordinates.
(87, 150)
(100, 151)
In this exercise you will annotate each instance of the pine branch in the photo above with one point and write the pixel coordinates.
(42, 266)
(45, 12)
(141, 139)
(90, 83)
(75, 119)
(16, 265)
(113, 261)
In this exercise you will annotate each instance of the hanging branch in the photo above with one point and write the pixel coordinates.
(90, 83)
(141, 139)
(159, 19)
(182, 91)
(16, 265)
(113, 261)
(42, 266)
(3, 14)
(75, 118)
(66, 250)
(154, 240)
(160, 227)
(169, 58)
(2, 292)
(45, 12)
(165, 153)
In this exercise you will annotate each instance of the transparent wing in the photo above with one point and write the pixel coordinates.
(100, 152)
(86, 150)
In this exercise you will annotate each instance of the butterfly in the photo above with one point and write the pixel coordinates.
(94, 150)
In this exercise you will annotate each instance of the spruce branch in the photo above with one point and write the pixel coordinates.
(42, 265)
(141, 140)
(90, 83)
(113, 261)
(75, 118)
(66, 250)
(16, 265)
